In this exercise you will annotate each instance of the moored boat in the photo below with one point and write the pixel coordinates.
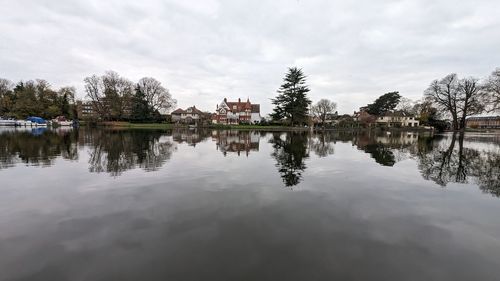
(62, 121)
(7, 122)
(34, 121)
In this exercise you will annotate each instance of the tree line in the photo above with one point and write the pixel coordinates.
(35, 98)
(463, 97)
(449, 98)
(116, 98)
(113, 98)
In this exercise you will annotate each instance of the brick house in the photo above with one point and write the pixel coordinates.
(236, 112)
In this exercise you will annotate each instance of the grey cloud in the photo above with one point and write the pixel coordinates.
(203, 51)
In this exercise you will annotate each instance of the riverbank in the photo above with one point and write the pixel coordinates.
(129, 125)
(169, 126)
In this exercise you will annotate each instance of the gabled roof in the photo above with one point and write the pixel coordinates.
(255, 108)
(239, 106)
(193, 110)
(178, 111)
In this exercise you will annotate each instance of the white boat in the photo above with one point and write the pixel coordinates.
(24, 123)
(6, 122)
(64, 123)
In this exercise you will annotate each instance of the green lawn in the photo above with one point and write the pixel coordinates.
(213, 126)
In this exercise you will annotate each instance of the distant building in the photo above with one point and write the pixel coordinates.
(397, 119)
(236, 112)
(483, 122)
(189, 116)
(86, 109)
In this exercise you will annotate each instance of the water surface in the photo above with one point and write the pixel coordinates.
(95, 204)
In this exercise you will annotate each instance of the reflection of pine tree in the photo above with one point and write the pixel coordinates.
(290, 154)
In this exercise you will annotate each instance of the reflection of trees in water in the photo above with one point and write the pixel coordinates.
(115, 151)
(322, 144)
(381, 153)
(386, 149)
(449, 160)
(290, 152)
(38, 147)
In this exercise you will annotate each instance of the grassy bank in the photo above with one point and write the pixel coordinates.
(256, 128)
(116, 124)
(128, 125)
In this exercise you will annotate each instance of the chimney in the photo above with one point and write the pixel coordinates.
(239, 100)
(225, 100)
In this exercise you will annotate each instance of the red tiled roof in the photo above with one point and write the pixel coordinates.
(243, 106)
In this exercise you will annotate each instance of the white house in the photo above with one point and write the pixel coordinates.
(188, 116)
(397, 119)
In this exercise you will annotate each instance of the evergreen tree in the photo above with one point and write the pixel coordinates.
(292, 103)
(384, 103)
(140, 108)
(65, 105)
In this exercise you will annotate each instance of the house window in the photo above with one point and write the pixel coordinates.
(234, 107)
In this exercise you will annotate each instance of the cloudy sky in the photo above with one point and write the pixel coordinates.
(203, 51)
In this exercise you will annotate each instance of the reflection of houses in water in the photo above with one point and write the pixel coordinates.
(387, 148)
(191, 137)
(236, 141)
(402, 139)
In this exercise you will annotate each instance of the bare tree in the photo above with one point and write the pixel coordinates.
(69, 91)
(118, 92)
(492, 88)
(406, 105)
(94, 89)
(111, 94)
(470, 98)
(444, 94)
(157, 96)
(5, 86)
(322, 109)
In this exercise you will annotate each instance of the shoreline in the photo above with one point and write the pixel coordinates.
(169, 126)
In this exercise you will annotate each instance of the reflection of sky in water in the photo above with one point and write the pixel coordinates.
(203, 215)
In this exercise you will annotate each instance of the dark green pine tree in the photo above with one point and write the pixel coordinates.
(384, 103)
(65, 105)
(292, 103)
(140, 108)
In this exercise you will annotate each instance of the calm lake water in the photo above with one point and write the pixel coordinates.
(94, 204)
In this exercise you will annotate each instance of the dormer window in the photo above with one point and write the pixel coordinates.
(234, 107)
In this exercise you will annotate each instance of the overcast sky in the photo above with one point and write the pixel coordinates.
(203, 51)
